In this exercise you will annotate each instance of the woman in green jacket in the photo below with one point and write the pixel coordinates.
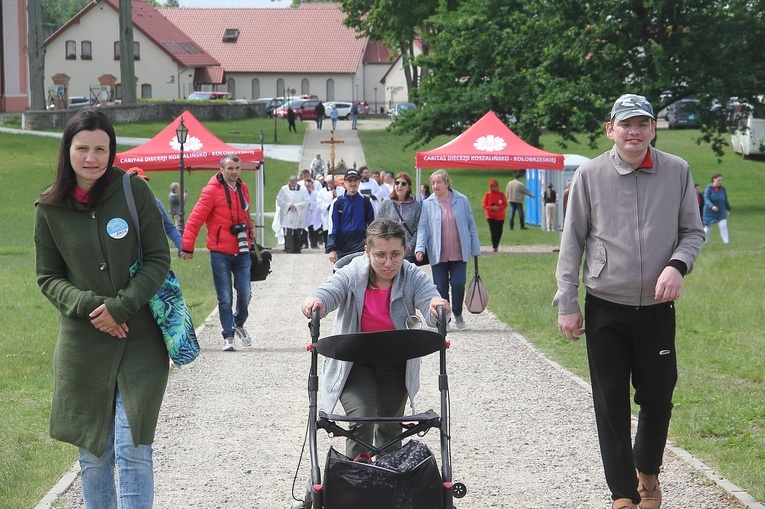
(111, 364)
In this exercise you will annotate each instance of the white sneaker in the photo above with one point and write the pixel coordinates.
(228, 344)
(243, 336)
(460, 322)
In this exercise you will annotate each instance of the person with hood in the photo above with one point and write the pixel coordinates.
(494, 205)
(319, 111)
(447, 231)
(224, 207)
(403, 208)
(111, 365)
(376, 290)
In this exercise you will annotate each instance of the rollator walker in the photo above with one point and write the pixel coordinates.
(407, 478)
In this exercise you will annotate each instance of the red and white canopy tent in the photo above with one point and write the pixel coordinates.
(202, 151)
(490, 144)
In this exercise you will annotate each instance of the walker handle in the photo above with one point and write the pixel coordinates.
(441, 320)
(314, 325)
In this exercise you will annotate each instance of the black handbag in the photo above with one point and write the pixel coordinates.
(261, 263)
(407, 478)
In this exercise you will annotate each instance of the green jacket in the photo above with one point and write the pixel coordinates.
(83, 257)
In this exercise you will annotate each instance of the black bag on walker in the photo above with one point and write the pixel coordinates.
(407, 478)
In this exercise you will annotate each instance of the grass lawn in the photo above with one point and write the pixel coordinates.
(720, 399)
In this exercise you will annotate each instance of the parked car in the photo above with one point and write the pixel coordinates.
(683, 113)
(749, 136)
(76, 102)
(343, 109)
(281, 111)
(209, 96)
(271, 104)
(307, 110)
(398, 108)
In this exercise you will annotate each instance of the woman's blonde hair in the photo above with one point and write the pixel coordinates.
(443, 176)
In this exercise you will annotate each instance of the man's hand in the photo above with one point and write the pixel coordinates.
(571, 325)
(333, 256)
(669, 285)
(186, 256)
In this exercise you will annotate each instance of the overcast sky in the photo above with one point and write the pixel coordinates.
(234, 3)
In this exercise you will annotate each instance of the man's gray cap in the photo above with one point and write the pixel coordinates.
(631, 105)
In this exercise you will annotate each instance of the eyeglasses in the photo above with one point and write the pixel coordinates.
(401, 183)
(395, 257)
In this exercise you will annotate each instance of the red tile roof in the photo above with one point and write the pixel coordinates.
(377, 53)
(309, 39)
(156, 27)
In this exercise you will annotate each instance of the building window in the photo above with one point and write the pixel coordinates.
(136, 50)
(231, 87)
(255, 88)
(230, 35)
(71, 50)
(86, 50)
(280, 88)
(330, 90)
(145, 91)
(305, 89)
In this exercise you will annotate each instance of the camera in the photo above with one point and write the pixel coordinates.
(240, 230)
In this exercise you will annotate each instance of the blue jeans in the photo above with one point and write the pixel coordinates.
(134, 470)
(334, 124)
(223, 266)
(454, 274)
(319, 121)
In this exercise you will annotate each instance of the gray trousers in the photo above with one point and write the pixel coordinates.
(374, 390)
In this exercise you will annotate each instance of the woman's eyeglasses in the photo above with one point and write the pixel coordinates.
(383, 257)
(401, 183)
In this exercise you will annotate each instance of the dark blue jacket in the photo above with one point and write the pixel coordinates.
(350, 217)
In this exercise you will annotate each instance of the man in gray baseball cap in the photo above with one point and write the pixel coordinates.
(631, 105)
(632, 213)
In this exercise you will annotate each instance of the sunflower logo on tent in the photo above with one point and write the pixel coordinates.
(490, 143)
(192, 144)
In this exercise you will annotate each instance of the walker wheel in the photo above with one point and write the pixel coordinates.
(459, 490)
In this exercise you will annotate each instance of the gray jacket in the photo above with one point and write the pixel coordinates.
(407, 211)
(344, 290)
(628, 224)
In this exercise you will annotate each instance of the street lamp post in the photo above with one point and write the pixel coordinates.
(181, 134)
(260, 183)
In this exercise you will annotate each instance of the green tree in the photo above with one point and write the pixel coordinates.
(57, 12)
(174, 3)
(558, 64)
(398, 24)
(127, 63)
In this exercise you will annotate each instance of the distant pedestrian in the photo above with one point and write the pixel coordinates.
(351, 213)
(716, 207)
(565, 197)
(224, 208)
(494, 206)
(514, 192)
(333, 114)
(174, 200)
(550, 200)
(317, 166)
(292, 203)
(291, 119)
(403, 208)
(354, 115)
(424, 192)
(447, 231)
(319, 111)
(699, 199)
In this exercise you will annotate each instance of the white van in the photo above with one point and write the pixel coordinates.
(749, 137)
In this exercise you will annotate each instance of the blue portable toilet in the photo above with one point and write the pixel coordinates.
(536, 182)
